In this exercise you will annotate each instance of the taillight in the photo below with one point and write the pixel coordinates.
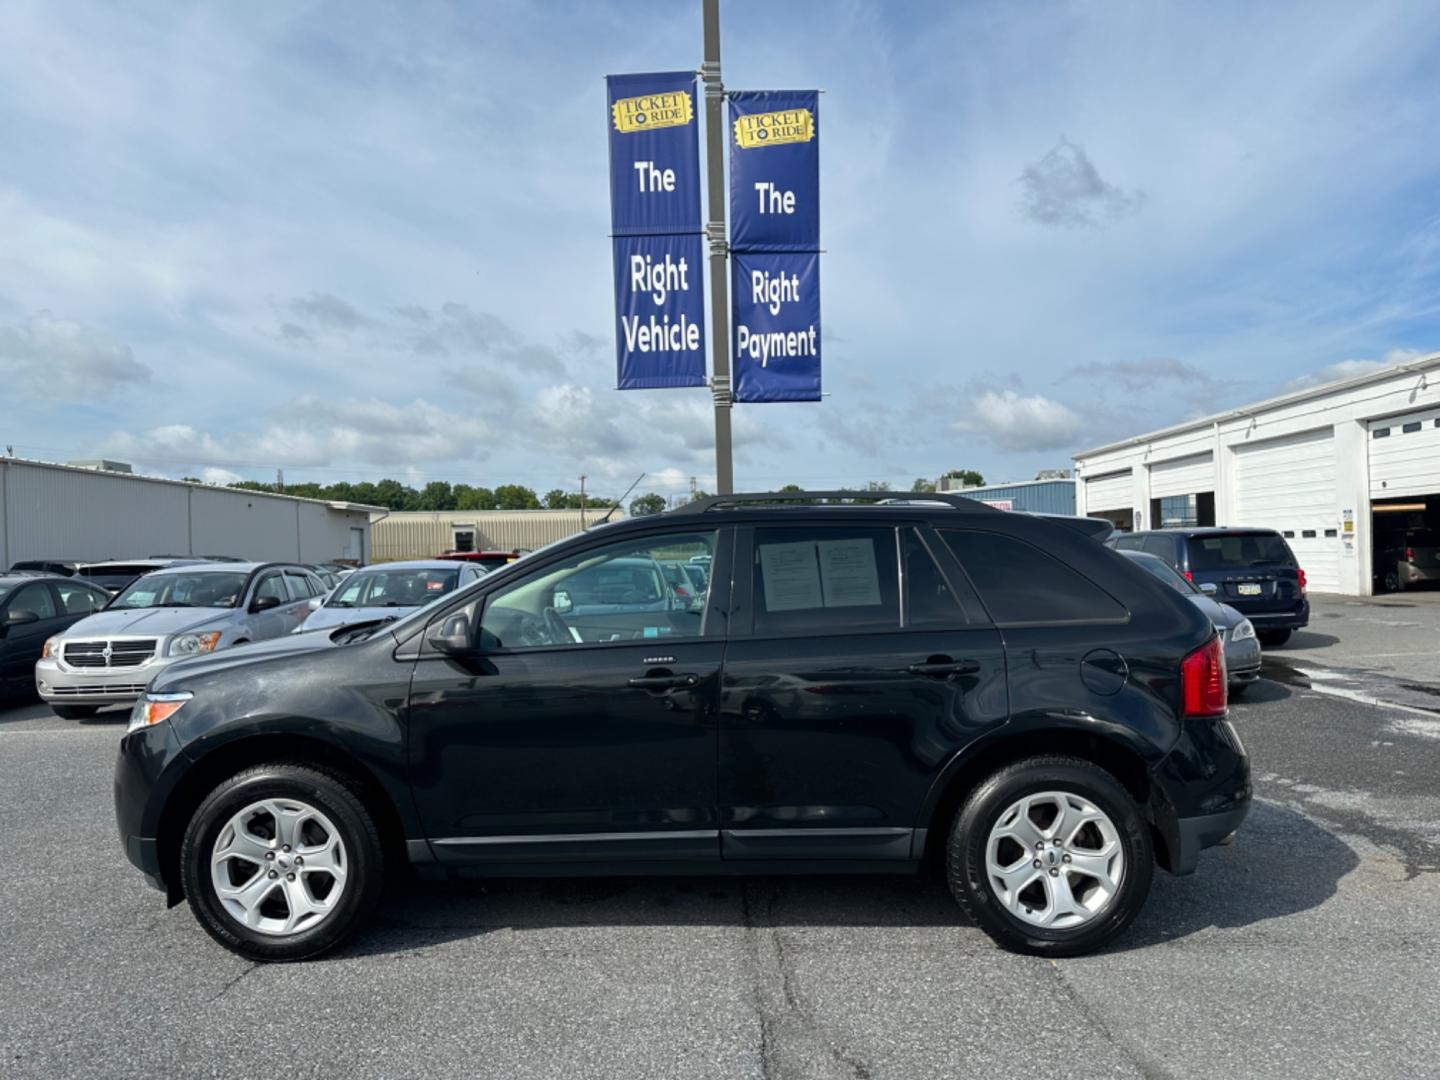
(1409, 554)
(1188, 576)
(1300, 574)
(1202, 681)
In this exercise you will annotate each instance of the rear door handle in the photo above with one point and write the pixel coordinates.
(664, 682)
(945, 670)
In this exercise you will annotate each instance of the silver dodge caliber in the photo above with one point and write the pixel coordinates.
(165, 616)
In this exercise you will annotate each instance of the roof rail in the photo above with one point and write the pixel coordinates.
(884, 498)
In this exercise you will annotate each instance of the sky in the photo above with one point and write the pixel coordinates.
(353, 240)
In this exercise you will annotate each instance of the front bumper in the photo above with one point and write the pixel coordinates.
(1200, 792)
(60, 684)
(144, 778)
(1242, 659)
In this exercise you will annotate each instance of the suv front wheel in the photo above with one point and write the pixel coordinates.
(1050, 856)
(282, 862)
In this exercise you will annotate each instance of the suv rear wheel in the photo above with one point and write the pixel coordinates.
(282, 862)
(1050, 856)
(75, 712)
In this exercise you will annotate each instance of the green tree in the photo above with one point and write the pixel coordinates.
(473, 498)
(437, 495)
(556, 499)
(396, 496)
(966, 476)
(921, 484)
(516, 497)
(645, 505)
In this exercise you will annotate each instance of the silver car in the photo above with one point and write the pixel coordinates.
(1237, 633)
(164, 616)
(389, 590)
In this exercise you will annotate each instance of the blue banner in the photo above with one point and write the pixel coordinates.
(654, 154)
(777, 326)
(775, 170)
(660, 311)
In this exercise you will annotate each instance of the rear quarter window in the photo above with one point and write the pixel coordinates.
(1019, 583)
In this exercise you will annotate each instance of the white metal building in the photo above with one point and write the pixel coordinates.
(423, 534)
(1345, 471)
(65, 512)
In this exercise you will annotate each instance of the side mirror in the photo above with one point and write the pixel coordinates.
(314, 603)
(563, 604)
(263, 603)
(451, 637)
(1209, 588)
(20, 618)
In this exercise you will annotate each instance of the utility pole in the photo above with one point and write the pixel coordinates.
(719, 249)
(280, 481)
(582, 500)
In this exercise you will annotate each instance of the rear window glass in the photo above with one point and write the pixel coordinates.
(1019, 583)
(826, 580)
(1229, 550)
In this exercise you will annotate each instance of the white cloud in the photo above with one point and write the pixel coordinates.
(50, 359)
(213, 475)
(1064, 188)
(1349, 369)
(1018, 422)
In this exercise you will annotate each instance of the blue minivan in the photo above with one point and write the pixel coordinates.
(1252, 570)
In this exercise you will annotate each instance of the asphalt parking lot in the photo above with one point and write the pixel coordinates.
(1306, 949)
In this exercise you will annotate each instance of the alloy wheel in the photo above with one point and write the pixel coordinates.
(1054, 860)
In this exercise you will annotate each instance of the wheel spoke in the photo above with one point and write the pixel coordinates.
(1015, 880)
(301, 906)
(1062, 900)
(1094, 866)
(326, 859)
(244, 846)
(1021, 829)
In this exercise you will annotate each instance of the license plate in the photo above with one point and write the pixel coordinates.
(1249, 590)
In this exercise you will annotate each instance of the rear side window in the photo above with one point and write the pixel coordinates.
(1129, 542)
(1022, 584)
(1160, 546)
(929, 600)
(1231, 550)
(826, 580)
(299, 585)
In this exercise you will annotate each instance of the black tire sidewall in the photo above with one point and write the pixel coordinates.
(966, 862)
(75, 712)
(330, 796)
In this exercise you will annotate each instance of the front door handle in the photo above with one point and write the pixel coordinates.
(664, 682)
(944, 670)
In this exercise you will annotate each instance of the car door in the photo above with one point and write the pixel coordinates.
(262, 622)
(302, 587)
(847, 685)
(23, 639)
(577, 732)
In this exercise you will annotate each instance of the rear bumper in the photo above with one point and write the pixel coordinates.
(1200, 792)
(1292, 619)
(1195, 834)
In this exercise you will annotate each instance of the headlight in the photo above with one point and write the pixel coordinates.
(194, 644)
(1244, 629)
(51, 649)
(153, 708)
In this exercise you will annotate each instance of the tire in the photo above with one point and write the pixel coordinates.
(75, 712)
(1237, 689)
(1392, 581)
(1083, 784)
(335, 810)
(1273, 637)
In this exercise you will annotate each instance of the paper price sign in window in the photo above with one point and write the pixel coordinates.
(792, 578)
(848, 572)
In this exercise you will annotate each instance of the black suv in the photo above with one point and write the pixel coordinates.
(1252, 570)
(865, 688)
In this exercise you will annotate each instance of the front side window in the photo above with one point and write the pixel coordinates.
(819, 579)
(204, 588)
(618, 593)
(34, 598)
(1019, 583)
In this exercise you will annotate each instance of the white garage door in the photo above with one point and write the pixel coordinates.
(1405, 455)
(1289, 484)
(1113, 491)
(1182, 476)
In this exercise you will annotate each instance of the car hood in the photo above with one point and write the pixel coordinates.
(157, 621)
(1223, 616)
(258, 652)
(328, 618)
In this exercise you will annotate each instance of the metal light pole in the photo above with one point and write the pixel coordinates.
(719, 249)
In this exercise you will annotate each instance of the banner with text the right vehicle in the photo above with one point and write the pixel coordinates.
(775, 244)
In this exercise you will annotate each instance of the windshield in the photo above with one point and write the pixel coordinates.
(1168, 574)
(204, 588)
(392, 588)
(1230, 550)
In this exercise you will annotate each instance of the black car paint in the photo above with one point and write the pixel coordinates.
(21, 643)
(816, 753)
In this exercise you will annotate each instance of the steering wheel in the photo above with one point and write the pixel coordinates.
(557, 628)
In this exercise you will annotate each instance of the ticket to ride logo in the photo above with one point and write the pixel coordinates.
(650, 111)
(774, 128)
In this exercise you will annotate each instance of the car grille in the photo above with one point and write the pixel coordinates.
(86, 690)
(109, 654)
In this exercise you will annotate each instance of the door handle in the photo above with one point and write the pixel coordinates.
(664, 682)
(947, 670)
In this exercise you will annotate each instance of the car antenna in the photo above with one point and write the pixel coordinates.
(620, 500)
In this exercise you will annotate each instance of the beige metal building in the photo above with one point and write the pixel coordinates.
(50, 511)
(423, 534)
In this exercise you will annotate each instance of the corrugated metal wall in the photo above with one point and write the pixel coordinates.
(55, 512)
(423, 534)
(1042, 497)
